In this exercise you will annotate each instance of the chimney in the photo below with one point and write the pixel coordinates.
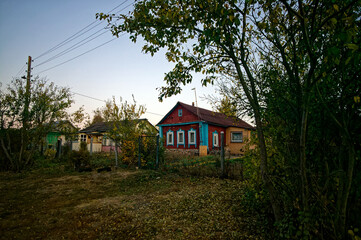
(192, 104)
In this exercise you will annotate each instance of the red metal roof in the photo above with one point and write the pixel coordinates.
(212, 117)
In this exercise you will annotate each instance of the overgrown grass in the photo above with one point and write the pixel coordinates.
(206, 166)
(122, 204)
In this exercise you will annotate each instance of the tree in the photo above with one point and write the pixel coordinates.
(291, 58)
(125, 127)
(46, 104)
(98, 117)
(306, 47)
(79, 118)
(211, 38)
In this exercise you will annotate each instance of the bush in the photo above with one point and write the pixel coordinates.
(50, 154)
(102, 159)
(80, 159)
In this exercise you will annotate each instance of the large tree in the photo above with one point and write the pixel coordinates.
(46, 103)
(210, 37)
(286, 56)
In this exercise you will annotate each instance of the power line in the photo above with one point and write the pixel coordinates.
(20, 71)
(83, 95)
(75, 46)
(79, 33)
(97, 99)
(79, 55)
(154, 113)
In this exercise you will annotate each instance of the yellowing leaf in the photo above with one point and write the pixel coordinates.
(336, 7)
(356, 99)
(352, 46)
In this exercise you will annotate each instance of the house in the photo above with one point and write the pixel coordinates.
(96, 136)
(59, 131)
(186, 127)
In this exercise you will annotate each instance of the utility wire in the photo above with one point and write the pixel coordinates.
(83, 95)
(97, 99)
(75, 46)
(81, 43)
(155, 113)
(20, 71)
(79, 33)
(78, 55)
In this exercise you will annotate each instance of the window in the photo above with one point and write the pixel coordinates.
(180, 137)
(215, 139)
(83, 138)
(191, 137)
(237, 137)
(180, 112)
(170, 138)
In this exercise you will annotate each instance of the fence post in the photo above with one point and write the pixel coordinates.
(157, 156)
(222, 153)
(139, 147)
(116, 153)
(91, 145)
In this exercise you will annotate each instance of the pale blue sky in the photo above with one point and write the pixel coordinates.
(118, 68)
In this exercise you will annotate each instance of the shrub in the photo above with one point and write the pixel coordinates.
(80, 159)
(50, 154)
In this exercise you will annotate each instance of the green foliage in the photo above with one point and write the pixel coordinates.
(32, 109)
(50, 154)
(148, 152)
(126, 127)
(102, 159)
(298, 64)
(80, 159)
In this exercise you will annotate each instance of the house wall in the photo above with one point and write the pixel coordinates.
(186, 129)
(235, 148)
(110, 149)
(215, 129)
(207, 138)
(97, 147)
(186, 116)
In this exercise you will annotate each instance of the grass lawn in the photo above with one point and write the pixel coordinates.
(121, 204)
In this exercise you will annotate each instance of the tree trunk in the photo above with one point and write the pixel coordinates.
(264, 169)
(302, 156)
(347, 182)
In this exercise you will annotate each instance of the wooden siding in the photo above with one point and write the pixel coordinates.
(212, 129)
(173, 117)
(235, 148)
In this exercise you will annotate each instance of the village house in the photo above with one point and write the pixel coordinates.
(59, 132)
(189, 128)
(97, 139)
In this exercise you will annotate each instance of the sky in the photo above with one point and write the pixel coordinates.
(118, 68)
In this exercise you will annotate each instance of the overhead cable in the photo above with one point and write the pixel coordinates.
(79, 33)
(78, 55)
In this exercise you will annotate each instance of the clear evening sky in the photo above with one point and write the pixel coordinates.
(119, 68)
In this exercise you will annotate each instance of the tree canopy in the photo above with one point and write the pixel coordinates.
(47, 103)
(297, 64)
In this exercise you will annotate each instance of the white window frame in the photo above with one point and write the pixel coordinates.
(236, 140)
(170, 138)
(215, 139)
(192, 131)
(83, 137)
(179, 140)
